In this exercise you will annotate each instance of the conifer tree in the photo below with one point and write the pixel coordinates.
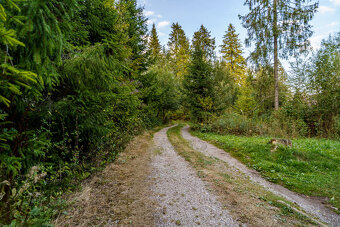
(42, 32)
(154, 45)
(232, 54)
(279, 29)
(198, 85)
(202, 39)
(137, 30)
(179, 50)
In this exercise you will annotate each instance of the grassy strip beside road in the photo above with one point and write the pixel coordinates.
(310, 166)
(247, 202)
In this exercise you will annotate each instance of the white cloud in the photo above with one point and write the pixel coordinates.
(159, 16)
(163, 24)
(316, 41)
(149, 13)
(326, 9)
(335, 2)
(161, 34)
(150, 21)
(333, 24)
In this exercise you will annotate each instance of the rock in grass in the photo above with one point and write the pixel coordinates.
(276, 142)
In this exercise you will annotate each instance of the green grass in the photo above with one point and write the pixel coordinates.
(310, 166)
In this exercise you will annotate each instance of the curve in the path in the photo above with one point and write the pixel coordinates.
(182, 197)
(310, 206)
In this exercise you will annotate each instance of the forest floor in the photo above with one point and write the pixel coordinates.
(174, 179)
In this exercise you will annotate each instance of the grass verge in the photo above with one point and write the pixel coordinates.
(247, 202)
(310, 166)
(118, 195)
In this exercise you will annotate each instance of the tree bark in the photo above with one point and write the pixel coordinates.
(276, 59)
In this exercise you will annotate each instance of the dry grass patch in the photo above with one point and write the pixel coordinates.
(247, 202)
(119, 195)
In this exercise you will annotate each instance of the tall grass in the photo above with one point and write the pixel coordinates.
(275, 125)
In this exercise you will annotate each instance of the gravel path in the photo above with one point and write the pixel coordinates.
(310, 206)
(182, 197)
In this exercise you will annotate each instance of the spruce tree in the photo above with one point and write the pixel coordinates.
(179, 50)
(135, 21)
(202, 39)
(154, 45)
(232, 54)
(279, 29)
(198, 85)
(42, 33)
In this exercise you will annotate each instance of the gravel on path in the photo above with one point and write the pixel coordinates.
(182, 196)
(309, 205)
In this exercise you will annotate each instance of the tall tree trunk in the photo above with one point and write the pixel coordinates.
(276, 59)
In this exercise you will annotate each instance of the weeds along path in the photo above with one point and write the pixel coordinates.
(309, 205)
(117, 196)
(181, 195)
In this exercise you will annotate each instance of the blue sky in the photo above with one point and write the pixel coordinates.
(217, 14)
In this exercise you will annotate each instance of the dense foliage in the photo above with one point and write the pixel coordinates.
(74, 90)
(80, 78)
(279, 29)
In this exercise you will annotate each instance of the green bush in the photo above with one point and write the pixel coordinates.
(277, 125)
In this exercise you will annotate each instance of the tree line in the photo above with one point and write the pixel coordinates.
(256, 95)
(80, 78)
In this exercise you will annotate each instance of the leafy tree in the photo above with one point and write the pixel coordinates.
(324, 83)
(154, 44)
(179, 52)
(224, 87)
(246, 103)
(160, 91)
(198, 85)
(232, 54)
(202, 39)
(279, 29)
(263, 85)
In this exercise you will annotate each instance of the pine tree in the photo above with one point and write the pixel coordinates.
(137, 30)
(42, 32)
(154, 44)
(232, 54)
(179, 50)
(198, 85)
(202, 40)
(279, 29)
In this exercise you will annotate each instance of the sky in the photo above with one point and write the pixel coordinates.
(216, 15)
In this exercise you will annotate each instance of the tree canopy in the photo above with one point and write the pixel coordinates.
(279, 29)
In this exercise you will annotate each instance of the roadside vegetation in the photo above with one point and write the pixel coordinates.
(117, 195)
(310, 166)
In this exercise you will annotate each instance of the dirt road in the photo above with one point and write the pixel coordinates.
(182, 197)
(156, 182)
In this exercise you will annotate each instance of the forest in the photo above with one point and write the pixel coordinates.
(79, 79)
